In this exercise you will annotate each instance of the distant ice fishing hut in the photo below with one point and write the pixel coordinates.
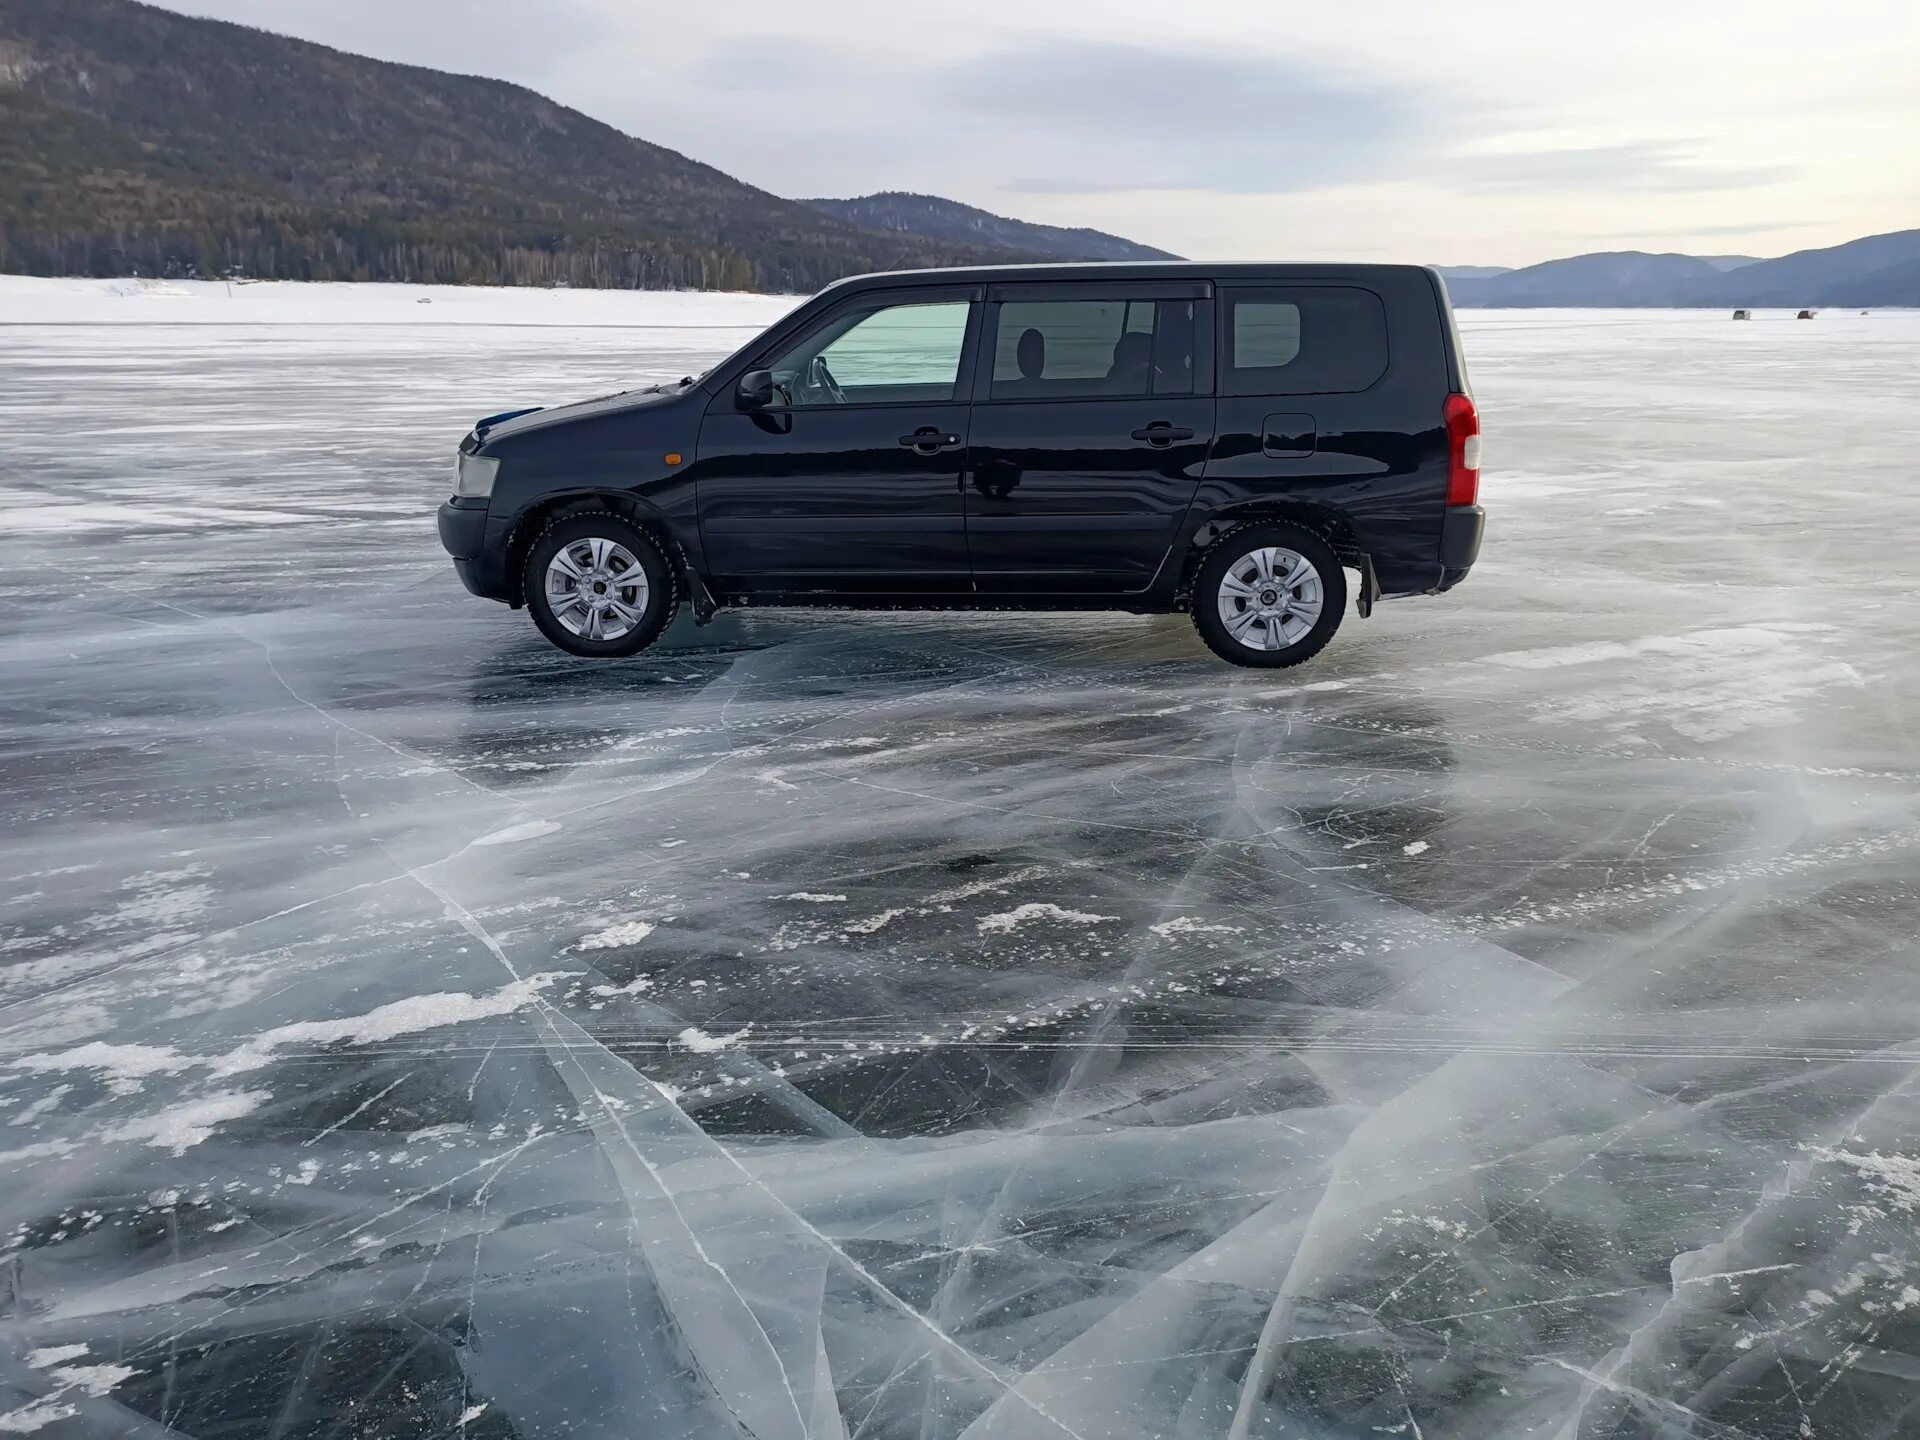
(1742, 315)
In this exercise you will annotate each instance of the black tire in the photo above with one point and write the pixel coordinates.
(1235, 551)
(573, 633)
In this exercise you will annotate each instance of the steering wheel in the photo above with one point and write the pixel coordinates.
(819, 377)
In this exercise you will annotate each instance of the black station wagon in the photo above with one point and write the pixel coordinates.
(1229, 440)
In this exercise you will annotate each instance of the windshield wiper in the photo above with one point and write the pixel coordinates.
(663, 386)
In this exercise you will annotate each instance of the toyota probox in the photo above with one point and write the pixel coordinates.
(1229, 440)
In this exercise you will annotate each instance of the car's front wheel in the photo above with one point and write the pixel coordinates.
(1269, 594)
(597, 585)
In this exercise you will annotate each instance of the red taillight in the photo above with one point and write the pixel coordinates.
(1463, 450)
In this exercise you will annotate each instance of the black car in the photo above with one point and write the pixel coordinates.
(1224, 439)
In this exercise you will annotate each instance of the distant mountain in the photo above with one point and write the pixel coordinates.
(1872, 289)
(1625, 277)
(930, 217)
(1878, 270)
(137, 140)
(1471, 272)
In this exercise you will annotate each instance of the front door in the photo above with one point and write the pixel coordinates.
(1093, 412)
(851, 479)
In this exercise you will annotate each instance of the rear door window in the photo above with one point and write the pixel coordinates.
(1303, 340)
(1093, 348)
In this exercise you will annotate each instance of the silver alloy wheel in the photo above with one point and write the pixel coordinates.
(596, 588)
(1270, 598)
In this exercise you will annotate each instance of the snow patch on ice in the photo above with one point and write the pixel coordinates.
(1010, 920)
(1417, 847)
(1438, 1224)
(629, 932)
(411, 1016)
(851, 742)
(37, 1416)
(1893, 1179)
(186, 1125)
(124, 1067)
(813, 897)
(701, 1043)
(873, 922)
(159, 905)
(632, 987)
(96, 1380)
(1188, 925)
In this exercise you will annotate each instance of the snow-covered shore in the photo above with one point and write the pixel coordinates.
(27, 299)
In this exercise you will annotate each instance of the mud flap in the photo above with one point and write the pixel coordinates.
(702, 598)
(1369, 590)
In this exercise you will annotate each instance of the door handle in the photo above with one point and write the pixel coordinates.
(1161, 433)
(929, 441)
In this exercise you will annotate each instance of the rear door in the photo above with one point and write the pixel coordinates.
(851, 480)
(1324, 402)
(1092, 418)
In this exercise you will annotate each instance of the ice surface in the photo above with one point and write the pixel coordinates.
(999, 1026)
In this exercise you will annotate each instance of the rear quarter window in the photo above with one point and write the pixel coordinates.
(1302, 340)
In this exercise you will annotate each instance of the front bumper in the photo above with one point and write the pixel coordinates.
(1460, 533)
(463, 529)
(463, 535)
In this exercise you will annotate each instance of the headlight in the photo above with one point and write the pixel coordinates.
(473, 476)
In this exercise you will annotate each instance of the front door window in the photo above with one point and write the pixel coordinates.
(887, 355)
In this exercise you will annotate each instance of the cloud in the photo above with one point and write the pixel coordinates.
(463, 36)
(1062, 118)
(1107, 91)
(1644, 167)
(1709, 232)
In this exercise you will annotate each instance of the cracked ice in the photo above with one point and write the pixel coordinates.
(999, 1026)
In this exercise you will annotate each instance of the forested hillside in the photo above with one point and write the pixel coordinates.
(137, 141)
(936, 219)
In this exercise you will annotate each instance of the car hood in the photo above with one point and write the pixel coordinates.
(520, 422)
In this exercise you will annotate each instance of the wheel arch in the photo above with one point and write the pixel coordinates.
(533, 520)
(1328, 522)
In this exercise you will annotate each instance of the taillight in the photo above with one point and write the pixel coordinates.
(1463, 450)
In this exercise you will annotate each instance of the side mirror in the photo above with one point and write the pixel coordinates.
(755, 391)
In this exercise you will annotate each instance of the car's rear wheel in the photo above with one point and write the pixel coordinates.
(1269, 594)
(597, 585)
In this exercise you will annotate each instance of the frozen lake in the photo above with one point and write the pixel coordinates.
(882, 1025)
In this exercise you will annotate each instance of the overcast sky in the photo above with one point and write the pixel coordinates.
(1446, 131)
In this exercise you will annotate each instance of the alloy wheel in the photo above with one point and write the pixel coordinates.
(1270, 598)
(596, 588)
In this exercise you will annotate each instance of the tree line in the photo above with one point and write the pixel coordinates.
(276, 250)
